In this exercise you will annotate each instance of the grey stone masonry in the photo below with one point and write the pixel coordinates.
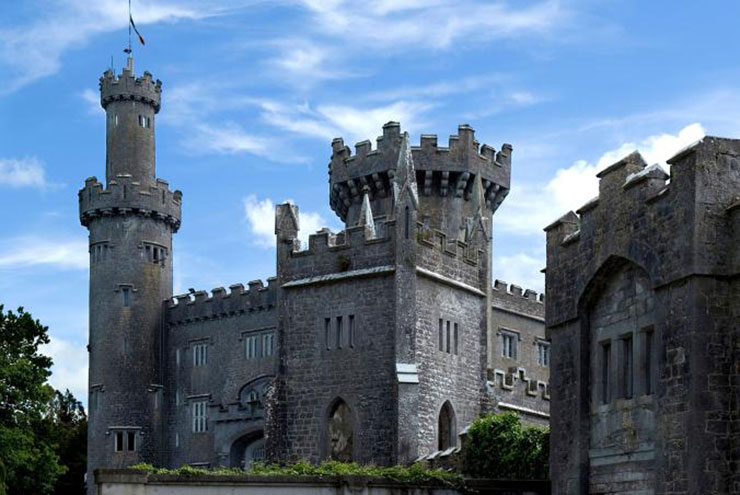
(370, 344)
(519, 353)
(131, 223)
(388, 319)
(642, 313)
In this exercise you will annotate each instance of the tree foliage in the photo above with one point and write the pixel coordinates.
(38, 426)
(499, 446)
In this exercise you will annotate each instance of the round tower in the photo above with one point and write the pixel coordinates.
(131, 220)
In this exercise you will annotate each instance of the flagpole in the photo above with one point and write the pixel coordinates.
(129, 29)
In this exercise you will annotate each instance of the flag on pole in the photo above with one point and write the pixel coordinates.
(141, 38)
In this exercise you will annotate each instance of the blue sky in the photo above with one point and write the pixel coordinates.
(254, 91)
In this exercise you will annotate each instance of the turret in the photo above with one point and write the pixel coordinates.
(445, 177)
(131, 221)
(130, 105)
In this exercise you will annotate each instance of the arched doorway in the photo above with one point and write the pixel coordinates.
(446, 427)
(248, 449)
(340, 432)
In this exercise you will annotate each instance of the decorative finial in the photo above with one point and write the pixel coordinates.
(366, 214)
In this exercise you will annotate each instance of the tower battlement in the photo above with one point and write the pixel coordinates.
(124, 195)
(690, 215)
(127, 86)
(445, 171)
(198, 306)
(329, 254)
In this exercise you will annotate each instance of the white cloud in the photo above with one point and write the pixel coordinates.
(69, 370)
(531, 207)
(260, 215)
(23, 172)
(92, 100)
(521, 269)
(397, 25)
(226, 139)
(352, 123)
(30, 251)
(32, 51)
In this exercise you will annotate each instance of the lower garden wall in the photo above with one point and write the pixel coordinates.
(133, 482)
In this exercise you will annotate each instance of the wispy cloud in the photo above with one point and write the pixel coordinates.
(92, 100)
(351, 122)
(398, 25)
(530, 207)
(29, 251)
(228, 138)
(260, 216)
(23, 172)
(29, 52)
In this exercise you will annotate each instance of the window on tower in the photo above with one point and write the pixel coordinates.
(145, 121)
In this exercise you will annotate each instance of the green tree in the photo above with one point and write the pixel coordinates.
(499, 446)
(65, 428)
(28, 464)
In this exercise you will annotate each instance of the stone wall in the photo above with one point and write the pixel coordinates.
(520, 383)
(222, 323)
(648, 256)
(130, 482)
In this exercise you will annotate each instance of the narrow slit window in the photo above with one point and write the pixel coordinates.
(447, 338)
(351, 330)
(455, 336)
(119, 441)
(327, 333)
(340, 330)
(126, 294)
(131, 441)
(406, 223)
(606, 351)
(627, 375)
(649, 362)
(441, 335)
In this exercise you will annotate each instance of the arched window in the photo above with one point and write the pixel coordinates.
(446, 437)
(340, 432)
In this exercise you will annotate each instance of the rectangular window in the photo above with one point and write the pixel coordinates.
(648, 361)
(447, 337)
(606, 352)
(268, 343)
(441, 334)
(327, 333)
(126, 293)
(177, 439)
(250, 344)
(627, 374)
(200, 354)
(200, 423)
(543, 354)
(119, 441)
(177, 357)
(509, 345)
(340, 330)
(455, 339)
(351, 330)
(131, 441)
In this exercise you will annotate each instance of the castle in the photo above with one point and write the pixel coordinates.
(378, 344)
(643, 316)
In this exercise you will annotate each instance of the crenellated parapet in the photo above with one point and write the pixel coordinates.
(126, 196)
(128, 87)
(340, 253)
(672, 226)
(199, 305)
(514, 298)
(447, 172)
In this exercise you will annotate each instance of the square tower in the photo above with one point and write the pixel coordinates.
(382, 328)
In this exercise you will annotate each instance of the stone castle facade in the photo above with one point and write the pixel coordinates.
(378, 344)
(643, 316)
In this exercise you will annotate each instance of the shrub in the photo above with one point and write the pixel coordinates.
(498, 446)
(414, 474)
